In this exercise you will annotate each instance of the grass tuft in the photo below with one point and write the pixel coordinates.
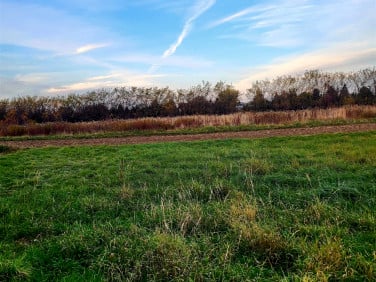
(14, 270)
(168, 258)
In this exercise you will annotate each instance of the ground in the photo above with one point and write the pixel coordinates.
(193, 137)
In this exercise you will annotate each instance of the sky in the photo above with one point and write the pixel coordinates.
(59, 47)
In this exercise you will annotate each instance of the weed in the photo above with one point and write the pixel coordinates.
(168, 258)
(327, 259)
(257, 166)
(14, 270)
(126, 192)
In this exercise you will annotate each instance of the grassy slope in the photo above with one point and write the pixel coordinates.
(268, 209)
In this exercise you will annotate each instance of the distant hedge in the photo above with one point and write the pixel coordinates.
(313, 89)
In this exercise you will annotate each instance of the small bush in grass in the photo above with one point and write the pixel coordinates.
(317, 211)
(168, 258)
(242, 210)
(14, 270)
(253, 238)
(365, 267)
(361, 112)
(243, 213)
(5, 149)
(187, 122)
(126, 192)
(190, 219)
(149, 124)
(196, 191)
(326, 257)
(266, 244)
(15, 130)
(257, 166)
(219, 190)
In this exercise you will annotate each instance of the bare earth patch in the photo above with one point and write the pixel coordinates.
(193, 137)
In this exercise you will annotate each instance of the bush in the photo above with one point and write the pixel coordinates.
(15, 130)
(5, 149)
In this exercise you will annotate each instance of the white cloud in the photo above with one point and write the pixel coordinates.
(301, 23)
(339, 57)
(90, 47)
(170, 51)
(173, 61)
(46, 28)
(53, 83)
(171, 6)
(34, 78)
(240, 14)
(197, 10)
(114, 79)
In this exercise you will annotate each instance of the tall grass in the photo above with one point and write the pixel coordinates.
(195, 121)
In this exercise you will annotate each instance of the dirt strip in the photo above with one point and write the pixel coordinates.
(192, 137)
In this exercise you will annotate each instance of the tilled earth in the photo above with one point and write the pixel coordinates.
(192, 137)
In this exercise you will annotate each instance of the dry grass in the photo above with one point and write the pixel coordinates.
(186, 122)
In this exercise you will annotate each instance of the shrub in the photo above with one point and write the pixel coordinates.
(5, 149)
(15, 130)
(168, 258)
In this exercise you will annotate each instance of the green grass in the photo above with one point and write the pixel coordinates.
(291, 208)
(186, 131)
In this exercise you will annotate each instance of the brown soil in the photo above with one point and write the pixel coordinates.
(193, 137)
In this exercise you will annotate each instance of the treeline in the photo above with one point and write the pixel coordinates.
(121, 103)
(314, 89)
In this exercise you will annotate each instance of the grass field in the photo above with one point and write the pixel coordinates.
(288, 208)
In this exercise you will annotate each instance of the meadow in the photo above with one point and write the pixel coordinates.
(272, 209)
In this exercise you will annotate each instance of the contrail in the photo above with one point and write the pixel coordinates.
(200, 8)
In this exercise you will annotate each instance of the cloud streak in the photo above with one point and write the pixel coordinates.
(114, 79)
(201, 7)
(240, 14)
(90, 47)
(187, 62)
(299, 23)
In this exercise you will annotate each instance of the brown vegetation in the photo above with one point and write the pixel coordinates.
(195, 121)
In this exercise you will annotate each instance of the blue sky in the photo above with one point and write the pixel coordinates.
(71, 46)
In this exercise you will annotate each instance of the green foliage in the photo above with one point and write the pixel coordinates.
(227, 99)
(274, 209)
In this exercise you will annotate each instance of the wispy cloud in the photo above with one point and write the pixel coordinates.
(52, 83)
(240, 14)
(197, 10)
(114, 79)
(299, 23)
(345, 57)
(90, 47)
(47, 28)
(172, 61)
(170, 6)
(34, 78)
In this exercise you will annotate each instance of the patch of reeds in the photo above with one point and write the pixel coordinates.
(188, 122)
